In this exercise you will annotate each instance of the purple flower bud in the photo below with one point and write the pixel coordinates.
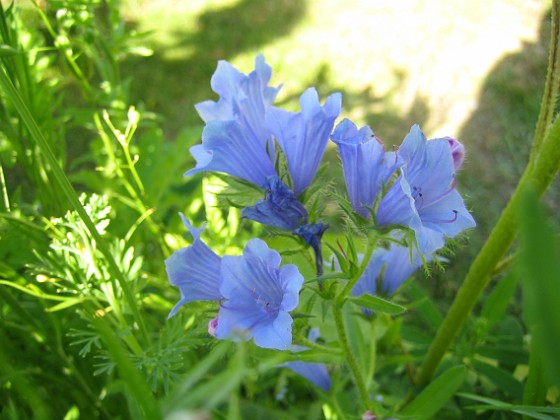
(212, 325)
(457, 151)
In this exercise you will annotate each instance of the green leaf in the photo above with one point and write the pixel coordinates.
(539, 262)
(135, 383)
(435, 395)
(316, 356)
(501, 378)
(175, 401)
(356, 337)
(377, 304)
(510, 354)
(7, 51)
(536, 386)
(492, 404)
(69, 302)
(424, 306)
(498, 301)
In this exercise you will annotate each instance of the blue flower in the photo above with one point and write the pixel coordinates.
(258, 295)
(303, 136)
(235, 139)
(367, 167)
(279, 209)
(388, 268)
(195, 270)
(424, 196)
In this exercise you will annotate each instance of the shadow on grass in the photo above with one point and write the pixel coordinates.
(171, 87)
(498, 137)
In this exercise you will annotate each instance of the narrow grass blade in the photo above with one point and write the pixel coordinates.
(377, 304)
(436, 395)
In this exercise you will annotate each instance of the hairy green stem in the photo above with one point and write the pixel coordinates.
(551, 86)
(536, 177)
(352, 362)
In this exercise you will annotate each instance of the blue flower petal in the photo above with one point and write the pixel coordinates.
(303, 136)
(227, 147)
(241, 96)
(368, 281)
(400, 265)
(279, 209)
(195, 270)
(398, 206)
(447, 215)
(258, 295)
(276, 334)
(316, 373)
(390, 268)
(364, 164)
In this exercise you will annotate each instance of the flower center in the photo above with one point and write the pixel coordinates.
(264, 302)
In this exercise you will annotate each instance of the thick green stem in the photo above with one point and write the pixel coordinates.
(551, 85)
(352, 362)
(536, 177)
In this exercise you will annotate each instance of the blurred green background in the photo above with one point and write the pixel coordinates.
(471, 70)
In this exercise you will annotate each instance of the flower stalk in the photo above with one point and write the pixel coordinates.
(352, 362)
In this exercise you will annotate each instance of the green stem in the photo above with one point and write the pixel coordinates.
(372, 242)
(551, 85)
(372, 352)
(304, 341)
(140, 206)
(5, 197)
(536, 177)
(65, 186)
(352, 362)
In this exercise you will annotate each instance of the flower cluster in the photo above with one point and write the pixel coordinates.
(409, 192)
